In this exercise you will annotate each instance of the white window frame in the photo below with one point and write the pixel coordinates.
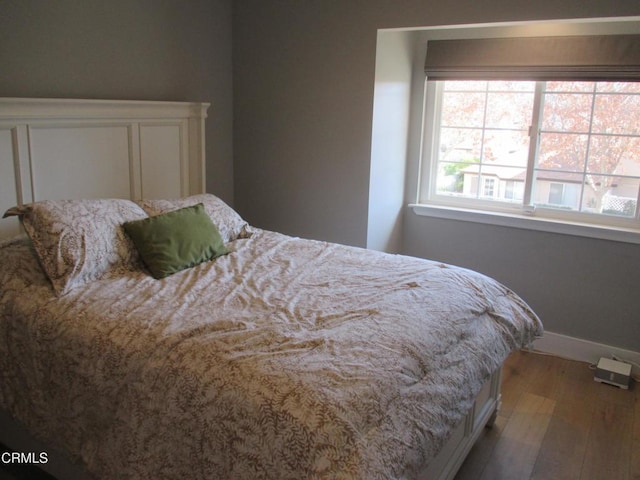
(520, 215)
(488, 183)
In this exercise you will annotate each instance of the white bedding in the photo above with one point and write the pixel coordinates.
(286, 358)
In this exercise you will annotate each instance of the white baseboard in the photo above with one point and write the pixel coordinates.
(583, 350)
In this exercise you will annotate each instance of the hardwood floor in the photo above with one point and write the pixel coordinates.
(557, 423)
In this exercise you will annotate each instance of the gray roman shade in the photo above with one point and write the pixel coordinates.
(598, 57)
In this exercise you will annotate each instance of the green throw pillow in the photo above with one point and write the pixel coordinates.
(176, 240)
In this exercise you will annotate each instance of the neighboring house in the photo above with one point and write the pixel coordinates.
(554, 189)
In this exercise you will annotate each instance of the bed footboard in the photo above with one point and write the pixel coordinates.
(483, 414)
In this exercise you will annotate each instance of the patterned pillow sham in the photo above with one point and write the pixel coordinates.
(230, 225)
(20, 267)
(78, 241)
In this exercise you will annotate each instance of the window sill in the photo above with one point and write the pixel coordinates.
(513, 220)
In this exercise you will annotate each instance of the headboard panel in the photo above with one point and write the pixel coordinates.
(65, 149)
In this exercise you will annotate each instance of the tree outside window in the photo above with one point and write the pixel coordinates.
(586, 151)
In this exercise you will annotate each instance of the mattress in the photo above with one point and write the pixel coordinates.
(286, 358)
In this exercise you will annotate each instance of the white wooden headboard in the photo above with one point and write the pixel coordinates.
(68, 149)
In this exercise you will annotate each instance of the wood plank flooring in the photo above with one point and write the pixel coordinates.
(557, 423)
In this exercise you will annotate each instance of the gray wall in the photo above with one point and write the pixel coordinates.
(303, 112)
(126, 49)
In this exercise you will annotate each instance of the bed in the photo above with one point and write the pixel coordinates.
(273, 357)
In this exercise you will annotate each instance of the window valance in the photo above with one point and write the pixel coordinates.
(588, 58)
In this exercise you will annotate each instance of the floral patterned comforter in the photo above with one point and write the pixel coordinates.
(285, 359)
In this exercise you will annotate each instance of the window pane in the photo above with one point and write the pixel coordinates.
(558, 190)
(617, 113)
(462, 109)
(509, 110)
(611, 195)
(503, 147)
(484, 139)
(601, 144)
(460, 144)
(562, 151)
(612, 154)
(451, 177)
(566, 112)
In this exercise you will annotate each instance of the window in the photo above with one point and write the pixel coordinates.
(568, 149)
(556, 193)
(482, 137)
(585, 152)
(489, 187)
(514, 190)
